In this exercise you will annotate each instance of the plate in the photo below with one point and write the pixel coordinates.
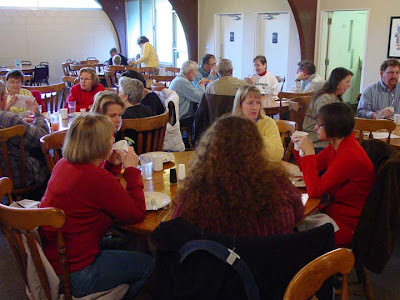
(167, 156)
(297, 179)
(161, 200)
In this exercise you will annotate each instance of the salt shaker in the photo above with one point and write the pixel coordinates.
(172, 176)
(181, 172)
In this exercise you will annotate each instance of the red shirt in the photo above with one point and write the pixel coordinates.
(92, 198)
(348, 179)
(83, 98)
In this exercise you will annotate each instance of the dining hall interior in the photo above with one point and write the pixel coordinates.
(352, 35)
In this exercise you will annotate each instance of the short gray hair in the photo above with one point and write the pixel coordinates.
(188, 65)
(2, 87)
(224, 67)
(133, 88)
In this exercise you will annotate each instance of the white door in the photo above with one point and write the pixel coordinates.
(343, 46)
(230, 41)
(274, 41)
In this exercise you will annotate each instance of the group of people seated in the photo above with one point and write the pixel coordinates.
(235, 185)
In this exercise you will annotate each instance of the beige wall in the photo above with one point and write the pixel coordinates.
(209, 8)
(54, 36)
(378, 23)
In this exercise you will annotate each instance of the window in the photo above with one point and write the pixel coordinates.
(50, 3)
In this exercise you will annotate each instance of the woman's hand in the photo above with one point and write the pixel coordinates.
(305, 144)
(128, 159)
(12, 101)
(32, 106)
(115, 158)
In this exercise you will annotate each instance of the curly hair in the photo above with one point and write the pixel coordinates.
(231, 186)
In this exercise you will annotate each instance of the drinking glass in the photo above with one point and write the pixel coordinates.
(147, 166)
(72, 106)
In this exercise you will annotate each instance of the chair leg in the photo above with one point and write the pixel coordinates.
(363, 279)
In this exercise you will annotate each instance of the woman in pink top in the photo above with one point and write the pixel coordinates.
(92, 198)
(83, 92)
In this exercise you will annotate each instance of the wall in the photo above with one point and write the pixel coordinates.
(378, 23)
(207, 10)
(54, 36)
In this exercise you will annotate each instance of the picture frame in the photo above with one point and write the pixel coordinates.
(394, 38)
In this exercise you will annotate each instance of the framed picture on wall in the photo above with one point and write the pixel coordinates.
(394, 38)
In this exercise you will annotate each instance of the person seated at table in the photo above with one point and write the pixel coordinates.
(247, 103)
(116, 60)
(109, 104)
(92, 199)
(332, 91)
(14, 80)
(265, 81)
(207, 71)
(83, 92)
(378, 152)
(148, 55)
(131, 92)
(36, 170)
(114, 52)
(233, 189)
(308, 79)
(150, 98)
(348, 172)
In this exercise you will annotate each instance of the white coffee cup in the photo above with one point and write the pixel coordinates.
(158, 162)
(298, 133)
(181, 172)
(64, 113)
(121, 145)
(397, 119)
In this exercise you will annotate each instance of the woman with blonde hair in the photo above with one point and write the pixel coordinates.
(83, 92)
(247, 103)
(92, 199)
(233, 189)
(108, 103)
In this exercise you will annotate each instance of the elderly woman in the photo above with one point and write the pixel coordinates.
(148, 55)
(131, 92)
(349, 173)
(150, 98)
(233, 189)
(332, 91)
(14, 80)
(93, 199)
(247, 103)
(84, 91)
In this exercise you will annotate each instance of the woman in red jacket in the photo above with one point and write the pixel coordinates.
(349, 173)
(92, 199)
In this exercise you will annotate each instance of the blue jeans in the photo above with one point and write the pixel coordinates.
(110, 269)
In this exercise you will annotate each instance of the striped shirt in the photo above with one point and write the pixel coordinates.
(377, 97)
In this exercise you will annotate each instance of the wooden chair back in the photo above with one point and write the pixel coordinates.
(66, 69)
(70, 80)
(151, 131)
(297, 110)
(165, 79)
(53, 95)
(18, 222)
(51, 145)
(115, 69)
(311, 277)
(76, 68)
(290, 95)
(113, 89)
(172, 70)
(146, 70)
(286, 129)
(157, 87)
(371, 125)
(281, 80)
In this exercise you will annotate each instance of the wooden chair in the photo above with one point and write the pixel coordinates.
(297, 110)
(151, 131)
(51, 145)
(53, 95)
(165, 79)
(75, 68)
(146, 70)
(362, 125)
(286, 129)
(281, 80)
(6, 134)
(311, 277)
(66, 68)
(290, 95)
(111, 74)
(172, 71)
(157, 87)
(70, 80)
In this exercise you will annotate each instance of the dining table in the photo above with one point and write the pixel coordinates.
(160, 182)
(274, 106)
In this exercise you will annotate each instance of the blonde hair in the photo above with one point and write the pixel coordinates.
(92, 72)
(103, 99)
(88, 138)
(241, 95)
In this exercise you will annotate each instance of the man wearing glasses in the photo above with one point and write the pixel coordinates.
(207, 69)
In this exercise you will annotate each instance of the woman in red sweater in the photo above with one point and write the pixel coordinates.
(349, 173)
(93, 199)
(84, 91)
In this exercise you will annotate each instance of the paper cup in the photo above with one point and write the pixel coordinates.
(121, 145)
(181, 172)
(64, 113)
(298, 133)
(397, 119)
(158, 162)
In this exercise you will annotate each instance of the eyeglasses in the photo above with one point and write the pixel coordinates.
(85, 79)
(320, 125)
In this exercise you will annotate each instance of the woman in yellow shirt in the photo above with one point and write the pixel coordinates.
(14, 79)
(148, 55)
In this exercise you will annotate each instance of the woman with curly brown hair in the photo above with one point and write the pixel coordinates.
(231, 187)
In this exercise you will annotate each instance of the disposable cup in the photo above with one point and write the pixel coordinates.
(64, 113)
(397, 119)
(157, 162)
(298, 133)
(181, 172)
(121, 145)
